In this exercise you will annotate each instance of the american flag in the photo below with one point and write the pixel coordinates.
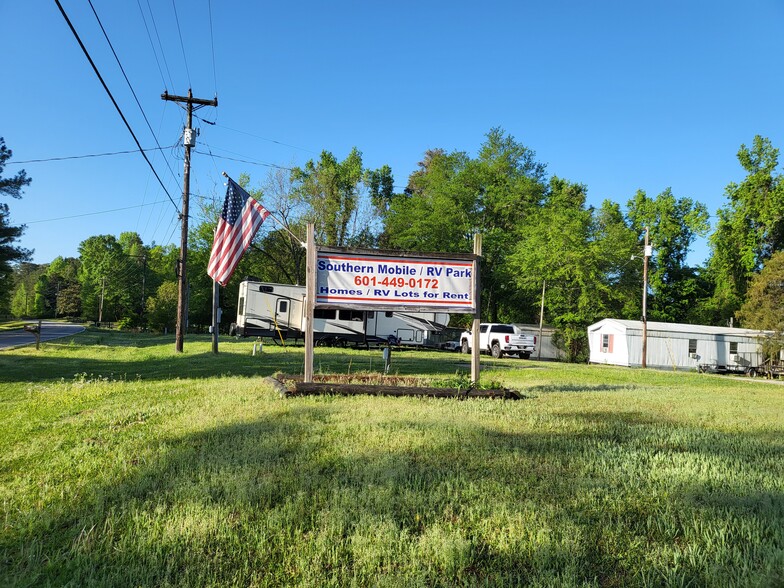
(241, 218)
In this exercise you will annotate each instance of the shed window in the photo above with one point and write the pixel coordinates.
(692, 346)
(607, 343)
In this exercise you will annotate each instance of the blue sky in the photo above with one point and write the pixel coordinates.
(616, 95)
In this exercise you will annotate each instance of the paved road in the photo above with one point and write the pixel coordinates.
(49, 331)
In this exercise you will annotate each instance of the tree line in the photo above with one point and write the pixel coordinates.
(541, 242)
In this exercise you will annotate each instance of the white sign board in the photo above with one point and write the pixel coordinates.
(391, 282)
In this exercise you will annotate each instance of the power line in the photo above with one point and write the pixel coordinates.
(182, 45)
(48, 220)
(67, 157)
(135, 97)
(212, 46)
(160, 45)
(257, 136)
(152, 45)
(272, 165)
(117, 107)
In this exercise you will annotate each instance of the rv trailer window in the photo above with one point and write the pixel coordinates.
(283, 306)
(351, 315)
(389, 314)
(734, 347)
(692, 346)
(265, 288)
(371, 314)
(241, 306)
(324, 313)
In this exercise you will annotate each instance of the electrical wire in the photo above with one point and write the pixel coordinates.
(212, 46)
(117, 106)
(261, 163)
(160, 45)
(67, 157)
(257, 136)
(49, 220)
(182, 45)
(152, 45)
(130, 86)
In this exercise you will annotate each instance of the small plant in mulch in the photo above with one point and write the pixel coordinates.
(458, 386)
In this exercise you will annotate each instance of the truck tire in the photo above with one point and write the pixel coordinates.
(464, 346)
(495, 350)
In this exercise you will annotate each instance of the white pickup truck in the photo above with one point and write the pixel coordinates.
(500, 339)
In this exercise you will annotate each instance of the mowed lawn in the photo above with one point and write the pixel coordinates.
(123, 463)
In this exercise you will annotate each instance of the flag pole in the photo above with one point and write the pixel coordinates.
(215, 295)
(273, 217)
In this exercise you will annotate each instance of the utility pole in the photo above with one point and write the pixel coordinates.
(189, 140)
(100, 307)
(541, 318)
(647, 252)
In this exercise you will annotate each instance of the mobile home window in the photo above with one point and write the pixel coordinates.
(692, 346)
(733, 347)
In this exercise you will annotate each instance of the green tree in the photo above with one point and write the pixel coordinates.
(162, 307)
(100, 258)
(750, 227)
(25, 278)
(20, 302)
(332, 190)
(64, 291)
(451, 196)
(436, 212)
(9, 234)
(764, 305)
(674, 224)
(568, 250)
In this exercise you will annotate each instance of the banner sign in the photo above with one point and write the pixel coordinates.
(388, 282)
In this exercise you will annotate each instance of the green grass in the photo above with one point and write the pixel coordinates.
(123, 463)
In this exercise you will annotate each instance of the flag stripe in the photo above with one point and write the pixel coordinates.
(232, 240)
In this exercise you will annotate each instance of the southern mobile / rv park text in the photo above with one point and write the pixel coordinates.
(367, 279)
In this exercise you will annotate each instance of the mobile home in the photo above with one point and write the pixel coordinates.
(676, 346)
(278, 311)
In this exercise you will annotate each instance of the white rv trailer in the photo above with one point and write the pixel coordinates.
(277, 311)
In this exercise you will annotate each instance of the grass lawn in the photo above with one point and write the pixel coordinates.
(123, 463)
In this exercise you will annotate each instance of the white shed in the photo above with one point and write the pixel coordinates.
(675, 346)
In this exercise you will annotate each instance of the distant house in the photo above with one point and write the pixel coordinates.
(675, 346)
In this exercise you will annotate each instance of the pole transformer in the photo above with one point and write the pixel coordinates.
(189, 140)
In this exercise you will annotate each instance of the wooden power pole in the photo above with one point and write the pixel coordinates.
(189, 140)
(646, 255)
